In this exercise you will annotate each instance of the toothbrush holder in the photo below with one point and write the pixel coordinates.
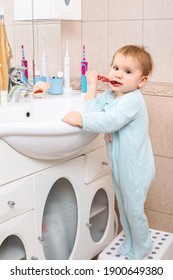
(56, 85)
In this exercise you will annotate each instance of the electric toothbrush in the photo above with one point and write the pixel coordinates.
(67, 88)
(24, 64)
(44, 61)
(84, 68)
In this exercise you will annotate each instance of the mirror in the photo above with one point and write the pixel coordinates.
(31, 33)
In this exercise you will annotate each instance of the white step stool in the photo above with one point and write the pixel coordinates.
(162, 247)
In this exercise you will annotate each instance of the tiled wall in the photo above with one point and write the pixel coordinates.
(106, 25)
(159, 204)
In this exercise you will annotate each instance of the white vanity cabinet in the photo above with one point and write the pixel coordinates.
(62, 211)
(47, 9)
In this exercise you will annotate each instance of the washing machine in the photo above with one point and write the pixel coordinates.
(72, 220)
(17, 238)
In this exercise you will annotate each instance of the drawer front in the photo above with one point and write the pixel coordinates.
(96, 165)
(16, 198)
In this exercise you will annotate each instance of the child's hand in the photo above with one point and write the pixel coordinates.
(92, 77)
(108, 137)
(73, 118)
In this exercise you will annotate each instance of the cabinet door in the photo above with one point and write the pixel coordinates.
(17, 238)
(57, 192)
(66, 9)
(47, 9)
(16, 198)
(97, 165)
(102, 208)
(28, 9)
(41, 9)
(22, 9)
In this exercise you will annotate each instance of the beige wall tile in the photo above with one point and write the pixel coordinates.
(158, 9)
(94, 36)
(125, 9)
(161, 124)
(160, 195)
(8, 11)
(157, 36)
(122, 33)
(159, 221)
(94, 10)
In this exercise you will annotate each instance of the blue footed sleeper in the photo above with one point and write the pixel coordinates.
(131, 158)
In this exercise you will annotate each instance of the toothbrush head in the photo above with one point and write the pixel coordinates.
(83, 52)
(103, 79)
(23, 54)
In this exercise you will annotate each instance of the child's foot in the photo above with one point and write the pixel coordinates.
(138, 255)
(124, 248)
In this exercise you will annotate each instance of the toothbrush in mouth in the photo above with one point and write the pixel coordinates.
(103, 79)
(106, 80)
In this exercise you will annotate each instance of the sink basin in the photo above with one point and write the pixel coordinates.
(34, 128)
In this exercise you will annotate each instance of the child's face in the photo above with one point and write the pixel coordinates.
(125, 74)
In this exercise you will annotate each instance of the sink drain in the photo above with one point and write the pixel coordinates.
(28, 114)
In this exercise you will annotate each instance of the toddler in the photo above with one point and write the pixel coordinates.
(121, 114)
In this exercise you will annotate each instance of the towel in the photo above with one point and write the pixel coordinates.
(4, 57)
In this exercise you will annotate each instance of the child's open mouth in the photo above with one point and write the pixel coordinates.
(115, 83)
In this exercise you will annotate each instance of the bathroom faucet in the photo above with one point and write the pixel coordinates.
(16, 85)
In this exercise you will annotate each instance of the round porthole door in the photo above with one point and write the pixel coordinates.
(98, 215)
(60, 218)
(12, 248)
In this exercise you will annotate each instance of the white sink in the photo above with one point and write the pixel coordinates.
(34, 128)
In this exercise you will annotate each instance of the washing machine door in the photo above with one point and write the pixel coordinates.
(99, 213)
(12, 248)
(59, 223)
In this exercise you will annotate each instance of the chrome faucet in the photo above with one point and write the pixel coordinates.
(16, 84)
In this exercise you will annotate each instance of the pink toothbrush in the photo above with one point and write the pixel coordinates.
(103, 79)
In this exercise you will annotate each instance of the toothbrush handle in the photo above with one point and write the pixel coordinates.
(83, 84)
(84, 67)
(24, 73)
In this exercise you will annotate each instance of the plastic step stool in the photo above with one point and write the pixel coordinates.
(162, 247)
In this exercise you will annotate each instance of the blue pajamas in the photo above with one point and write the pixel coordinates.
(131, 158)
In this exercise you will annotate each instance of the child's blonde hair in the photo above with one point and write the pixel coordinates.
(140, 54)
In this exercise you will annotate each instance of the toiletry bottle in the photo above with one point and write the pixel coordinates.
(67, 88)
(44, 61)
(84, 68)
(24, 63)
